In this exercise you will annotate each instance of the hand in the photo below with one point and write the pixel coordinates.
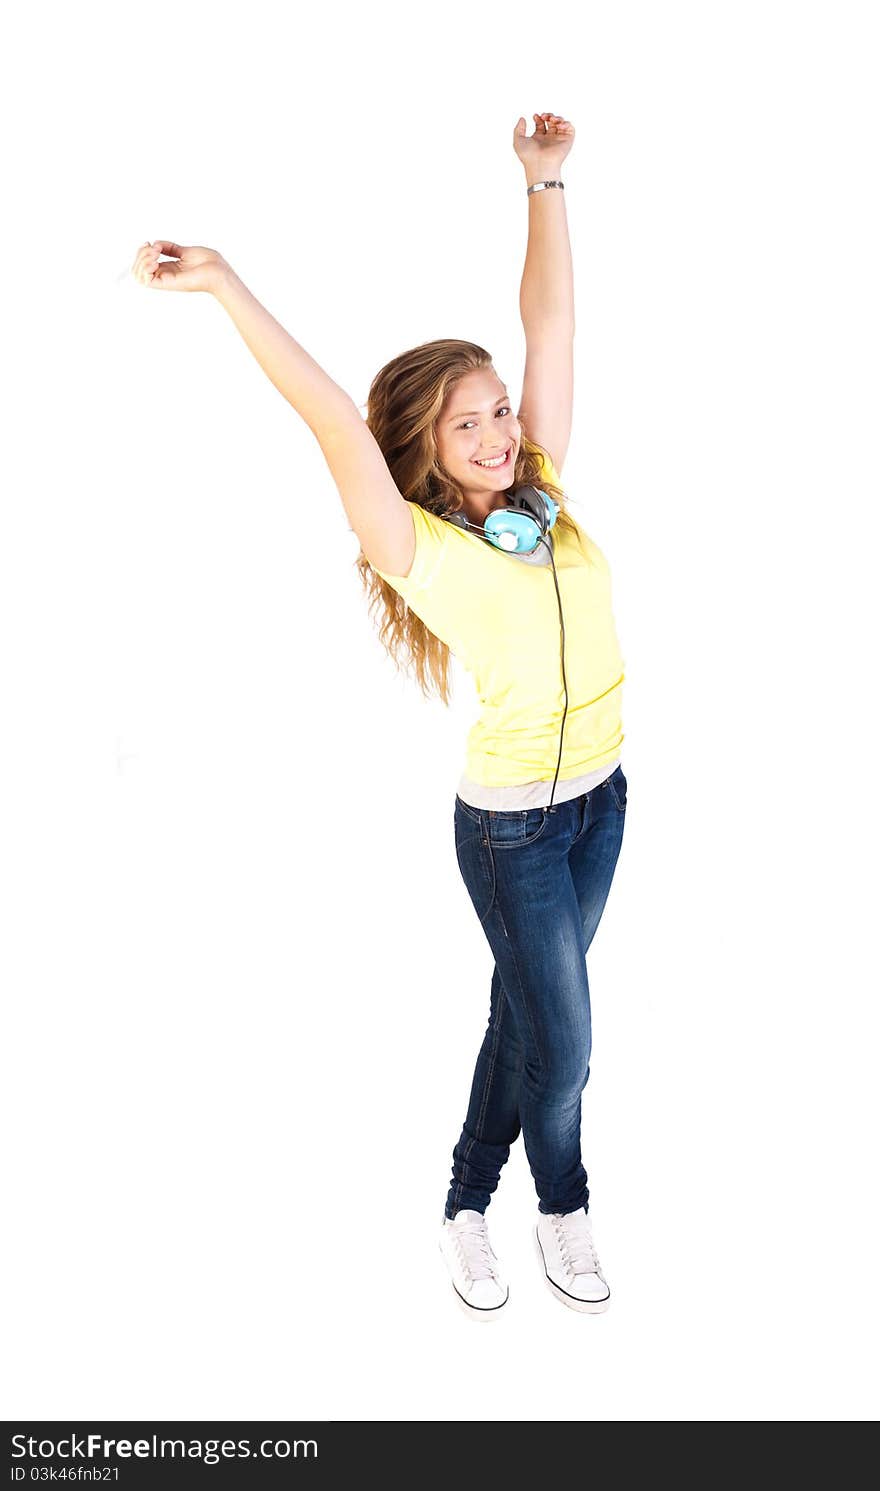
(185, 269)
(549, 145)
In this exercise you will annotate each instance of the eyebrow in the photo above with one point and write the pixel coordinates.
(465, 412)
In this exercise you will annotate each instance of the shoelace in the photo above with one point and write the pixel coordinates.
(475, 1250)
(576, 1243)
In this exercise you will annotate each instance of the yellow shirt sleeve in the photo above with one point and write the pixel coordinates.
(431, 535)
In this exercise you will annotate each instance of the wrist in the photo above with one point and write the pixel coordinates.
(547, 170)
(222, 279)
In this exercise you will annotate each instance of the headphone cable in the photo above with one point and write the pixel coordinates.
(543, 540)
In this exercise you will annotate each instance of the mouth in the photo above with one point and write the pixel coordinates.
(495, 464)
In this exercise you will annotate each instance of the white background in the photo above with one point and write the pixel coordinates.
(244, 986)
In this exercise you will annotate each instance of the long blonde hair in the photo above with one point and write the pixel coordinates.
(405, 400)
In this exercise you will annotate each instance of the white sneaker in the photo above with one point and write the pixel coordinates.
(565, 1244)
(476, 1277)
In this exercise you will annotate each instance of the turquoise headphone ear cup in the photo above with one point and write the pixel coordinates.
(516, 529)
(519, 528)
(515, 532)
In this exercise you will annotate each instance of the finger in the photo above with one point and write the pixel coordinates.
(145, 264)
(174, 250)
(147, 256)
(160, 276)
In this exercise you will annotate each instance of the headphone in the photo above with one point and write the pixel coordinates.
(518, 529)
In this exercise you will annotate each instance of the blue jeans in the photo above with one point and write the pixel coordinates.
(538, 879)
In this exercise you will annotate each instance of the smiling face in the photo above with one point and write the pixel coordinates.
(477, 423)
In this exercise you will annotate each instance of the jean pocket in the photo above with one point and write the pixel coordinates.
(617, 784)
(513, 827)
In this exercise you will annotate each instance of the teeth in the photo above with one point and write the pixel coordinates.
(496, 461)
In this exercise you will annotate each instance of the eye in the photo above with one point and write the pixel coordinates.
(504, 408)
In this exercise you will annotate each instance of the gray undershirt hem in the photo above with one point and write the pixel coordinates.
(532, 794)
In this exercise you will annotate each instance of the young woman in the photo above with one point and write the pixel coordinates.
(467, 547)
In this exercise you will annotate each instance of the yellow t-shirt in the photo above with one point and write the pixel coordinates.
(500, 617)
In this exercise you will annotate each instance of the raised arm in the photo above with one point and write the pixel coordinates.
(376, 510)
(547, 291)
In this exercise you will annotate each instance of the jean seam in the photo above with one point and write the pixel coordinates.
(486, 844)
(469, 812)
(487, 1087)
(525, 1003)
(484, 1101)
(459, 845)
(620, 805)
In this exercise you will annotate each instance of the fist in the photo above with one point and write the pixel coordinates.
(550, 143)
(193, 268)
